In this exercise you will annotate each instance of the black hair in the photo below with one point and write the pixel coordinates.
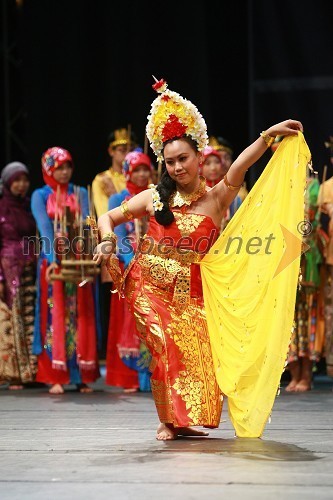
(167, 186)
(224, 143)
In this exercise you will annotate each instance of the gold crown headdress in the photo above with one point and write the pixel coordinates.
(171, 115)
(121, 137)
(218, 146)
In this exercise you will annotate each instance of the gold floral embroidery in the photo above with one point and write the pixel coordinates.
(143, 303)
(169, 275)
(156, 338)
(130, 286)
(162, 400)
(187, 223)
(141, 311)
(197, 383)
(158, 271)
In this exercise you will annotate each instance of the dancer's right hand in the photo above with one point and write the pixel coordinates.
(103, 251)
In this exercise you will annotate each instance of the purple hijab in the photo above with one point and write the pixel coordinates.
(15, 211)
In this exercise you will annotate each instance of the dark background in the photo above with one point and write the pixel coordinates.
(73, 70)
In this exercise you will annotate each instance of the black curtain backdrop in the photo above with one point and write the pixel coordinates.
(85, 68)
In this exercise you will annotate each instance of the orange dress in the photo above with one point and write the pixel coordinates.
(164, 292)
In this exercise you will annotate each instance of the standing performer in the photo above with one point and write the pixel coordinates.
(325, 201)
(128, 359)
(104, 185)
(308, 340)
(212, 168)
(17, 278)
(232, 335)
(213, 171)
(226, 152)
(65, 326)
(112, 180)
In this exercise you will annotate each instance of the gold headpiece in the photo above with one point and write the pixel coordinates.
(173, 116)
(120, 137)
(214, 143)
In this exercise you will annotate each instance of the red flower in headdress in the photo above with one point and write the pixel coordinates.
(158, 84)
(173, 128)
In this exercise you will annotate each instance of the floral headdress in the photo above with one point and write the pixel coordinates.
(173, 116)
(54, 158)
(51, 160)
(134, 159)
(208, 151)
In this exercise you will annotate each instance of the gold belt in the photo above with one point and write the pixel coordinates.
(166, 266)
(182, 255)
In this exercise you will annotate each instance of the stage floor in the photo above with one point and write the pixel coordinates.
(102, 446)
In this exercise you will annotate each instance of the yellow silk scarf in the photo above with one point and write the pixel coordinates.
(250, 279)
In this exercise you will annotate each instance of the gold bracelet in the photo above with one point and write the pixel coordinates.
(230, 186)
(267, 138)
(111, 236)
(125, 210)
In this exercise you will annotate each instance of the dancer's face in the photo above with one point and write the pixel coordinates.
(182, 161)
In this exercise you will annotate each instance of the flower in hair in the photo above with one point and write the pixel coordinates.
(171, 116)
(157, 204)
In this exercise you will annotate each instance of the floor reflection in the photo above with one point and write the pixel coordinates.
(250, 449)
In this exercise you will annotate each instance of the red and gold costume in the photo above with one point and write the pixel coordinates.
(230, 332)
(164, 291)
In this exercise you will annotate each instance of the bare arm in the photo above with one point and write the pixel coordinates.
(138, 206)
(248, 157)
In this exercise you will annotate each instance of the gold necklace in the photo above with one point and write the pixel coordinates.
(178, 199)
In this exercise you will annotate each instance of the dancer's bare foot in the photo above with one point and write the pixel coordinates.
(166, 432)
(303, 386)
(291, 387)
(84, 388)
(15, 387)
(56, 389)
(128, 390)
(189, 431)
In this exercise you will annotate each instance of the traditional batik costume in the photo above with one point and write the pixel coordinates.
(18, 274)
(308, 338)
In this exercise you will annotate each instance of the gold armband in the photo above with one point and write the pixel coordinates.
(111, 236)
(125, 211)
(230, 186)
(267, 138)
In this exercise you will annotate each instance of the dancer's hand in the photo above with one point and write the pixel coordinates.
(103, 251)
(288, 127)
